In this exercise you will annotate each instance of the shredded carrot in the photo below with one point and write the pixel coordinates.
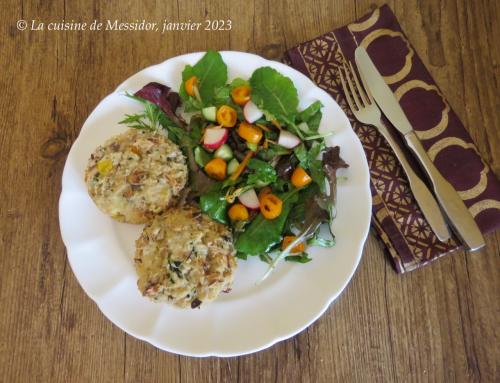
(263, 127)
(242, 166)
(276, 123)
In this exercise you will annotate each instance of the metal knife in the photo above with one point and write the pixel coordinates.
(458, 214)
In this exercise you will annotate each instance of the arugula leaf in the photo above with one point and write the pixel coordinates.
(211, 72)
(314, 121)
(310, 119)
(265, 258)
(213, 203)
(304, 128)
(242, 256)
(302, 155)
(317, 174)
(308, 160)
(301, 258)
(222, 94)
(262, 234)
(317, 240)
(274, 93)
(310, 111)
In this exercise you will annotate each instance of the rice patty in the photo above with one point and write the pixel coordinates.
(185, 258)
(136, 175)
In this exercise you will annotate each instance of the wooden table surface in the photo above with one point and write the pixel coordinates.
(439, 324)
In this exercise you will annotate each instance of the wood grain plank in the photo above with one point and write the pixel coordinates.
(145, 363)
(351, 342)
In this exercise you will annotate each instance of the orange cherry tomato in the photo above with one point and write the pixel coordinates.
(216, 169)
(297, 249)
(271, 206)
(226, 116)
(241, 95)
(238, 212)
(265, 190)
(250, 133)
(190, 84)
(300, 178)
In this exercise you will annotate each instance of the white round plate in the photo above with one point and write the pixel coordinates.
(251, 317)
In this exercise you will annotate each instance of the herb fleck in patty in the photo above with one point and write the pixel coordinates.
(185, 258)
(136, 175)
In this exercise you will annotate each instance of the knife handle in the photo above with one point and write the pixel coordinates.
(460, 217)
(425, 200)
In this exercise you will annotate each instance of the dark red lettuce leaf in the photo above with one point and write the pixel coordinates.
(331, 163)
(163, 97)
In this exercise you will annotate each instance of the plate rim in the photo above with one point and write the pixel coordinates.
(277, 338)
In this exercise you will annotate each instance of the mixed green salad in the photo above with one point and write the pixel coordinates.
(256, 163)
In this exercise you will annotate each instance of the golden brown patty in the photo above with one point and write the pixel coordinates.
(136, 175)
(185, 258)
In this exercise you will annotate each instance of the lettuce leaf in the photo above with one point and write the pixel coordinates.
(163, 97)
(213, 203)
(274, 93)
(310, 111)
(262, 234)
(211, 71)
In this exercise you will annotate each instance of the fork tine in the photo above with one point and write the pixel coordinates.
(346, 92)
(353, 88)
(360, 88)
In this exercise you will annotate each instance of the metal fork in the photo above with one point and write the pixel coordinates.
(366, 111)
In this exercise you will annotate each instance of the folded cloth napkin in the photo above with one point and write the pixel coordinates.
(396, 216)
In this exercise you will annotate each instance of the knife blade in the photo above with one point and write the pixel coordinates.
(460, 218)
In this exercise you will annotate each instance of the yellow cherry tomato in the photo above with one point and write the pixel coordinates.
(297, 249)
(250, 133)
(300, 178)
(238, 212)
(190, 84)
(271, 206)
(241, 95)
(216, 169)
(226, 116)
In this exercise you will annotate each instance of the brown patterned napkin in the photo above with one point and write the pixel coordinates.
(396, 216)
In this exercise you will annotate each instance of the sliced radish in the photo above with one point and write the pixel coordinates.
(214, 138)
(288, 140)
(251, 112)
(250, 199)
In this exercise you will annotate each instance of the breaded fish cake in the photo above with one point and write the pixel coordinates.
(136, 175)
(185, 258)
